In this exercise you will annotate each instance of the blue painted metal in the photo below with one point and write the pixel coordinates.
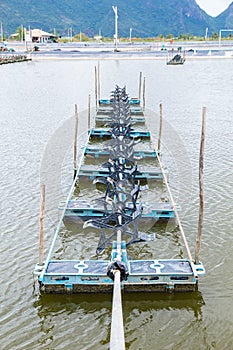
(103, 118)
(136, 113)
(96, 152)
(144, 275)
(105, 110)
(103, 132)
(81, 210)
(142, 174)
(132, 101)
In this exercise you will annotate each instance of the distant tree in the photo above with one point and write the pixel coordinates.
(169, 36)
(81, 37)
(214, 36)
(183, 36)
(187, 36)
(20, 33)
(230, 36)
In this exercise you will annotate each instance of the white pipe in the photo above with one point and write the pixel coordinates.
(117, 339)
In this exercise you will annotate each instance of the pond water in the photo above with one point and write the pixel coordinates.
(37, 118)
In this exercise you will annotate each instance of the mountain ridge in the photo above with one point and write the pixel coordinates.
(147, 18)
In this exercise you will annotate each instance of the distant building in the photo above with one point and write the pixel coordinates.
(14, 36)
(39, 36)
(98, 38)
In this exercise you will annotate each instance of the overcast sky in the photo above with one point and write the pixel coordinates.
(214, 7)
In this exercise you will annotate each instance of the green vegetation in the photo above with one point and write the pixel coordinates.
(181, 38)
(20, 33)
(76, 38)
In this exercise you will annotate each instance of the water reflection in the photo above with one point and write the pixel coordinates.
(82, 321)
(156, 301)
(87, 315)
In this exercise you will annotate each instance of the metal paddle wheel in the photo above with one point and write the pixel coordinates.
(122, 188)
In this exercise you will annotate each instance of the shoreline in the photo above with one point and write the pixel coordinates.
(113, 56)
(136, 51)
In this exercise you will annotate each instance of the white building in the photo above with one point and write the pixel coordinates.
(39, 36)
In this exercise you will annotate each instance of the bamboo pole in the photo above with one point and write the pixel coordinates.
(89, 113)
(117, 339)
(143, 94)
(75, 140)
(160, 125)
(140, 86)
(98, 79)
(42, 206)
(201, 187)
(96, 92)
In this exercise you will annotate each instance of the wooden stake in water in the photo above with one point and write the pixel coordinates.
(201, 187)
(75, 140)
(89, 113)
(143, 94)
(160, 125)
(98, 86)
(96, 92)
(42, 206)
(140, 86)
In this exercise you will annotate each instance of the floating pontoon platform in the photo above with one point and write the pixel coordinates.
(89, 276)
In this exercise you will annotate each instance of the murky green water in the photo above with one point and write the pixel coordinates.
(37, 105)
